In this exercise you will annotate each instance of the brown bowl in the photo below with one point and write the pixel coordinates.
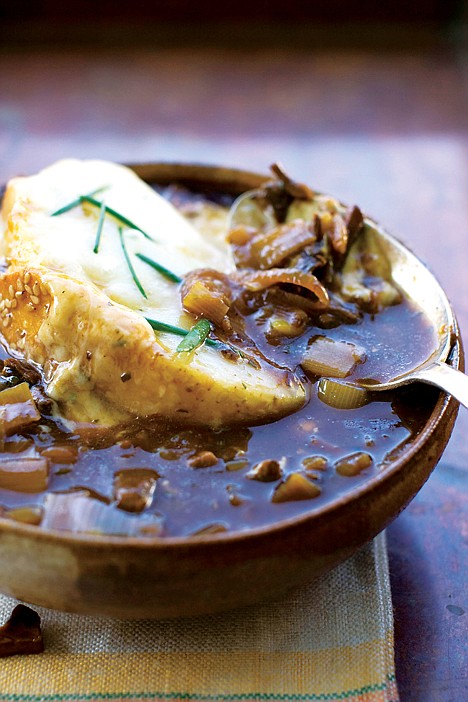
(173, 577)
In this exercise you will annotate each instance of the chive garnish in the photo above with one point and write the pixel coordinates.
(78, 201)
(99, 228)
(124, 220)
(129, 264)
(196, 336)
(178, 331)
(97, 203)
(158, 267)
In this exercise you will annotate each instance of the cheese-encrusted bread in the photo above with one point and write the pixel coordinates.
(81, 316)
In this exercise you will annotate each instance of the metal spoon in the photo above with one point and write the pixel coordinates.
(420, 286)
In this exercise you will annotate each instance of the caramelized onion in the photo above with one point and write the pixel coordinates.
(259, 280)
(240, 235)
(268, 249)
(338, 234)
(28, 474)
(17, 416)
(283, 298)
(292, 187)
(207, 293)
(134, 488)
(287, 322)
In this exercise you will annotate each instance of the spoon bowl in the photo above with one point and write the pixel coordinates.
(417, 283)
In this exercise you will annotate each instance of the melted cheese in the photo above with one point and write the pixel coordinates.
(81, 316)
(65, 243)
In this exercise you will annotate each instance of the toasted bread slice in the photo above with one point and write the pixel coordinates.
(81, 317)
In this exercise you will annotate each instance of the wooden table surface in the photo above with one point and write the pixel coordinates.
(384, 129)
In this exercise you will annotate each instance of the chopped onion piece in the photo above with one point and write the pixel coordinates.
(341, 395)
(201, 301)
(207, 293)
(326, 357)
(353, 464)
(338, 234)
(240, 235)
(25, 515)
(16, 394)
(134, 488)
(17, 416)
(17, 409)
(24, 474)
(295, 487)
(289, 323)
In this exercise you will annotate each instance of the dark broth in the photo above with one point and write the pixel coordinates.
(223, 496)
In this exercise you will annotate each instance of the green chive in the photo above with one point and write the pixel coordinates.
(161, 269)
(78, 201)
(129, 264)
(109, 210)
(170, 329)
(99, 228)
(124, 220)
(178, 331)
(196, 336)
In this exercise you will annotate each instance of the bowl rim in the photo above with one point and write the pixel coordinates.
(406, 451)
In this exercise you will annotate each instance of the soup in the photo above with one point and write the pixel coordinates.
(311, 299)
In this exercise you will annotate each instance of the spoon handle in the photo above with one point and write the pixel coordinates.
(447, 378)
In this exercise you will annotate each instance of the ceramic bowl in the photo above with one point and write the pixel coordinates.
(174, 577)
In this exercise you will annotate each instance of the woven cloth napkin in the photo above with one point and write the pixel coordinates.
(330, 640)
